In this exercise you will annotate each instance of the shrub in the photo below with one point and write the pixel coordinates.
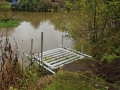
(36, 5)
(108, 57)
(4, 6)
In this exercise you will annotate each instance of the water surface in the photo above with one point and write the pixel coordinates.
(31, 26)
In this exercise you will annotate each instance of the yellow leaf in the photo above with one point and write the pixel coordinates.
(106, 87)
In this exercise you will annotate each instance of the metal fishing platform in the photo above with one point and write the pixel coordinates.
(53, 59)
(56, 58)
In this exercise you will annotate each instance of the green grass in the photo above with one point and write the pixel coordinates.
(5, 6)
(65, 80)
(10, 23)
(70, 81)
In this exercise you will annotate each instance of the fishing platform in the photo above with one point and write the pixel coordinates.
(53, 59)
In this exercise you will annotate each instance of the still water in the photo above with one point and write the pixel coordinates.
(31, 26)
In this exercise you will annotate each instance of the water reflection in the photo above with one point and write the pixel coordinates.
(31, 26)
(7, 31)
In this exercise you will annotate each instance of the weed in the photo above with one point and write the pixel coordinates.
(9, 23)
(68, 81)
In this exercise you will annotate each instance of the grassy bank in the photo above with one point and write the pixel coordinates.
(70, 81)
(9, 23)
(5, 15)
(81, 75)
(85, 74)
(5, 6)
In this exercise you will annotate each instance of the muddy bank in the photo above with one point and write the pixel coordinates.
(110, 72)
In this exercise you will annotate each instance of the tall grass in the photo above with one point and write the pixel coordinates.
(5, 6)
(12, 73)
(10, 67)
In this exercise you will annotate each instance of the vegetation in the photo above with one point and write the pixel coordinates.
(83, 76)
(9, 23)
(69, 81)
(47, 5)
(106, 34)
(4, 6)
(6, 20)
(12, 74)
(9, 65)
(99, 21)
(36, 5)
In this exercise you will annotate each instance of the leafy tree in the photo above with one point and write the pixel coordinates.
(99, 21)
(103, 26)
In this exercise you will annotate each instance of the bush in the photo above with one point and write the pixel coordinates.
(108, 57)
(4, 6)
(35, 5)
(47, 5)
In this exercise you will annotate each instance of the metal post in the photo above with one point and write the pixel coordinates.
(22, 63)
(31, 46)
(41, 45)
(82, 49)
(62, 40)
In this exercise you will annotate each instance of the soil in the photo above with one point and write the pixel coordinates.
(110, 72)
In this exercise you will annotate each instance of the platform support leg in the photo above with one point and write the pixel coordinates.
(41, 46)
(31, 46)
(82, 49)
(62, 40)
